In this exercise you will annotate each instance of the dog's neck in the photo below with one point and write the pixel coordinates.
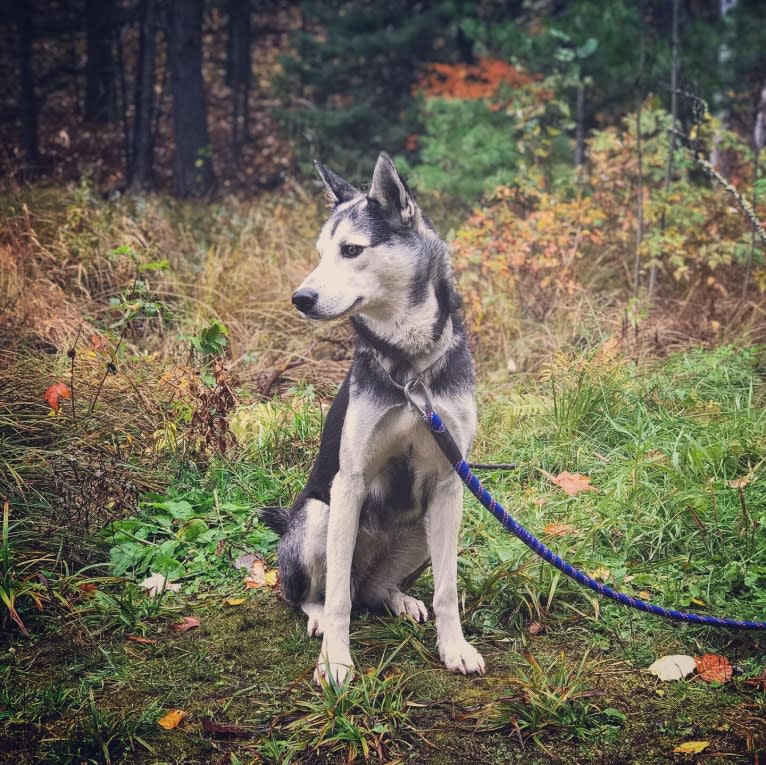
(411, 345)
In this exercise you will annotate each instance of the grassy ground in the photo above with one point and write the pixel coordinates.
(566, 678)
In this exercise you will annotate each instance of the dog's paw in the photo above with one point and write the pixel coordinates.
(404, 605)
(339, 669)
(461, 656)
(314, 612)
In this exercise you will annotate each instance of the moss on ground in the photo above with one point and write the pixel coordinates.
(250, 666)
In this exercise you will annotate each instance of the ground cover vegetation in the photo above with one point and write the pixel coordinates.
(156, 387)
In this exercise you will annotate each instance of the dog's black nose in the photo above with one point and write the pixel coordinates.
(305, 299)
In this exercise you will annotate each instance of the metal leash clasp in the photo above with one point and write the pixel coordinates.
(408, 388)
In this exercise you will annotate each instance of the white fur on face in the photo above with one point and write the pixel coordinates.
(375, 283)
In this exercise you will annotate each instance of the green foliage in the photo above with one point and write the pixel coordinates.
(662, 450)
(211, 340)
(348, 84)
(469, 147)
(349, 721)
(182, 536)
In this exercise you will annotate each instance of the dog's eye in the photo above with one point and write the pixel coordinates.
(351, 250)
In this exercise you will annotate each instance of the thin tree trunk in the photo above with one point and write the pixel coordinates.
(238, 71)
(28, 98)
(673, 116)
(100, 101)
(193, 157)
(140, 170)
(580, 125)
(640, 158)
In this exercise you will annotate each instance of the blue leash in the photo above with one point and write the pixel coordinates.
(449, 447)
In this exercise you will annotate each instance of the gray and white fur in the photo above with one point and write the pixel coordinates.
(381, 499)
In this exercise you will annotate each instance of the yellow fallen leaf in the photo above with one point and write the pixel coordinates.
(258, 576)
(692, 747)
(172, 719)
(601, 573)
(234, 601)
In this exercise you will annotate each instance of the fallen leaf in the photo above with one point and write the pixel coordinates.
(172, 719)
(55, 393)
(692, 747)
(602, 573)
(558, 529)
(258, 576)
(234, 601)
(673, 667)
(758, 681)
(157, 583)
(245, 561)
(713, 668)
(140, 639)
(535, 628)
(187, 623)
(98, 342)
(572, 483)
(223, 729)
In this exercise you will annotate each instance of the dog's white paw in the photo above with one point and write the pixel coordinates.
(334, 663)
(405, 605)
(314, 613)
(461, 656)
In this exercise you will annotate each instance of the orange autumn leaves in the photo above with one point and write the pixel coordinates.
(55, 393)
(472, 81)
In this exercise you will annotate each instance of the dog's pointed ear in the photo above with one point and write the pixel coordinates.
(337, 189)
(391, 192)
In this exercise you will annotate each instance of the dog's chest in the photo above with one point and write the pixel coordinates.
(401, 489)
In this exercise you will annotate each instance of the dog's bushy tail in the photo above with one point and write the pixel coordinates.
(275, 518)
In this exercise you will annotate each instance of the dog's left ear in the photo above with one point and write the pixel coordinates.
(390, 191)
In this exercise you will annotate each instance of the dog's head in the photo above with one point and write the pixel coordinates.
(368, 248)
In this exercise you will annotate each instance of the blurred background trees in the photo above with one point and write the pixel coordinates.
(165, 94)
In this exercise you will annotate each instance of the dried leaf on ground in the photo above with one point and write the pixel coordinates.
(759, 681)
(157, 583)
(223, 729)
(258, 576)
(673, 667)
(187, 623)
(691, 747)
(535, 628)
(713, 668)
(572, 483)
(234, 601)
(245, 561)
(55, 393)
(172, 719)
(140, 639)
(558, 529)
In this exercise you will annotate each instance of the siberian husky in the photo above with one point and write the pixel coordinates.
(381, 499)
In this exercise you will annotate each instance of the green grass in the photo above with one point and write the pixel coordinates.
(660, 443)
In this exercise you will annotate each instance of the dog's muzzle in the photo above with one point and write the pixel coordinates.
(305, 299)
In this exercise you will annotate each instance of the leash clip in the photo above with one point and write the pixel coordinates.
(407, 388)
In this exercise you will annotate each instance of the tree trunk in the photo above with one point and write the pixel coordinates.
(100, 101)
(654, 271)
(580, 125)
(140, 169)
(28, 99)
(238, 71)
(193, 160)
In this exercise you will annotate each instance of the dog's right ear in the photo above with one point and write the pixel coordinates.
(337, 189)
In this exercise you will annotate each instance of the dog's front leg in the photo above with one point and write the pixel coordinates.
(445, 512)
(346, 496)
